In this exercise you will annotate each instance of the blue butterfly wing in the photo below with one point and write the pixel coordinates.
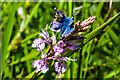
(56, 26)
(57, 23)
(67, 27)
(66, 30)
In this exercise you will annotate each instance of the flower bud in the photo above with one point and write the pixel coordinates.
(88, 21)
(78, 34)
(85, 28)
(20, 11)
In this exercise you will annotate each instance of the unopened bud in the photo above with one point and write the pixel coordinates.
(85, 28)
(88, 21)
(77, 25)
(78, 34)
(20, 11)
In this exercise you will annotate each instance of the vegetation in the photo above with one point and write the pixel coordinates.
(98, 57)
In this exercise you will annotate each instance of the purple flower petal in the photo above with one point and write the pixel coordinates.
(44, 32)
(63, 59)
(60, 43)
(47, 35)
(51, 58)
(71, 42)
(45, 69)
(34, 64)
(60, 67)
(44, 56)
(59, 73)
(37, 70)
(64, 68)
(38, 43)
(71, 59)
(43, 35)
(58, 50)
(79, 38)
(57, 66)
(73, 47)
(66, 58)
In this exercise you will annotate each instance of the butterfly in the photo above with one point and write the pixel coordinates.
(62, 23)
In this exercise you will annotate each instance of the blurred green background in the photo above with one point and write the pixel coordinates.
(21, 23)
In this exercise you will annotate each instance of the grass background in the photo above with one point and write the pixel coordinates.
(99, 58)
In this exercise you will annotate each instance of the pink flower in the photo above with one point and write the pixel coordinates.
(38, 43)
(41, 64)
(59, 66)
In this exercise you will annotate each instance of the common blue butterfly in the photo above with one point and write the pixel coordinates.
(63, 24)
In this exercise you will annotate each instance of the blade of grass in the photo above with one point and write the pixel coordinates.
(30, 75)
(113, 36)
(99, 9)
(25, 58)
(84, 49)
(87, 58)
(29, 37)
(112, 73)
(61, 4)
(79, 75)
(7, 34)
(24, 45)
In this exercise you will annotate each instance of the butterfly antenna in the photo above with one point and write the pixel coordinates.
(75, 13)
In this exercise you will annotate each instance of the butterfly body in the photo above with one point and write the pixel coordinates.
(63, 24)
